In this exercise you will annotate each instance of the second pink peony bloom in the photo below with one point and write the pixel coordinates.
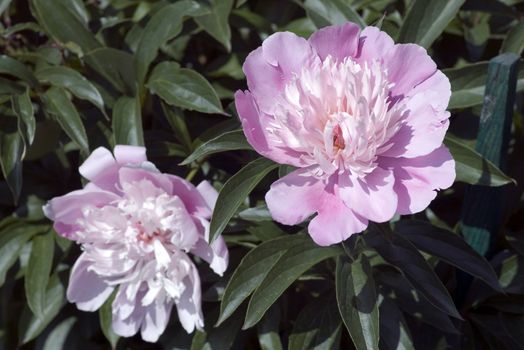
(363, 120)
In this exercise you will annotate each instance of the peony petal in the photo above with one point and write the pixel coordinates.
(338, 42)
(126, 323)
(216, 254)
(335, 222)
(101, 168)
(189, 306)
(295, 197)
(372, 197)
(373, 45)
(155, 320)
(408, 65)
(208, 192)
(85, 288)
(417, 179)
(194, 202)
(125, 154)
(130, 175)
(67, 209)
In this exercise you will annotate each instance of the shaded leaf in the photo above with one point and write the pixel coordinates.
(357, 301)
(332, 12)
(11, 152)
(184, 88)
(73, 81)
(235, 191)
(58, 104)
(514, 41)
(127, 122)
(229, 141)
(216, 23)
(291, 265)
(394, 333)
(268, 329)
(17, 69)
(23, 107)
(38, 271)
(426, 20)
(253, 268)
(472, 168)
(58, 336)
(116, 67)
(176, 120)
(318, 326)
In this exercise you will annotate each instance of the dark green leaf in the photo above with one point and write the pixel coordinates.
(23, 107)
(449, 247)
(73, 81)
(38, 271)
(163, 26)
(175, 118)
(11, 152)
(235, 191)
(31, 326)
(216, 23)
(127, 122)
(17, 69)
(65, 113)
(318, 326)
(289, 267)
(9, 87)
(12, 240)
(4, 4)
(221, 337)
(184, 88)
(105, 315)
(426, 20)
(64, 26)
(394, 333)
(229, 141)
(57, 338)
(332, 12)
(357, 301)
(472, 168)
(468, 84)
(268, 329)
(403, 255)
(116, 67)
(253, 268)
(514, 41)
(20, 27)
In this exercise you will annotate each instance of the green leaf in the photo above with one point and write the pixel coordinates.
(318, 326)
(9, 87)
(11, 151)
(175, 118)
(216, 23)
(229, 141)
(221, 337)
(12, 240)
(468, 84)
(31, 326)
(449, 247)
(268, 329)
(426, 20)
(116, 67)
(184, 88)
(400, 253)
(23, 108)
(253, 268)
(73, 81)
(58, 104)
(332, 12)
(105, 315)
(20, 27)
(64, 26)
(357, 301)
(514, 41)
(288, 268)
(17, 69)
(472, 168)
(394, 333)
(162, 27)
(58, 336)
(127, 122)
(235, 191)
(4, 4)
(38, 271)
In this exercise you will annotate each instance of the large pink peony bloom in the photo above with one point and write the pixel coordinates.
(136, 226)
(362, 118)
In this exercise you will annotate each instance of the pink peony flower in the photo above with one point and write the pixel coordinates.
(362, 118)
(136, 226)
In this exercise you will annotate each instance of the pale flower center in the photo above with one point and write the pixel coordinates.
(337, 115)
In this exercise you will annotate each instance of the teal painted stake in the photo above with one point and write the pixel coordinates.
(483, 207)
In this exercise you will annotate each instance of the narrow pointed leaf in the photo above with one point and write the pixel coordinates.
(235, 191)
(127, 122)
(17, 69)
(216, 23)
(23, 107)
(332, 12)
(229, 141)
(357, 301)
(11, 152)
(105, 315)
(514, 41)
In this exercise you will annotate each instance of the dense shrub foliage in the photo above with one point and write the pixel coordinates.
(76, 75)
